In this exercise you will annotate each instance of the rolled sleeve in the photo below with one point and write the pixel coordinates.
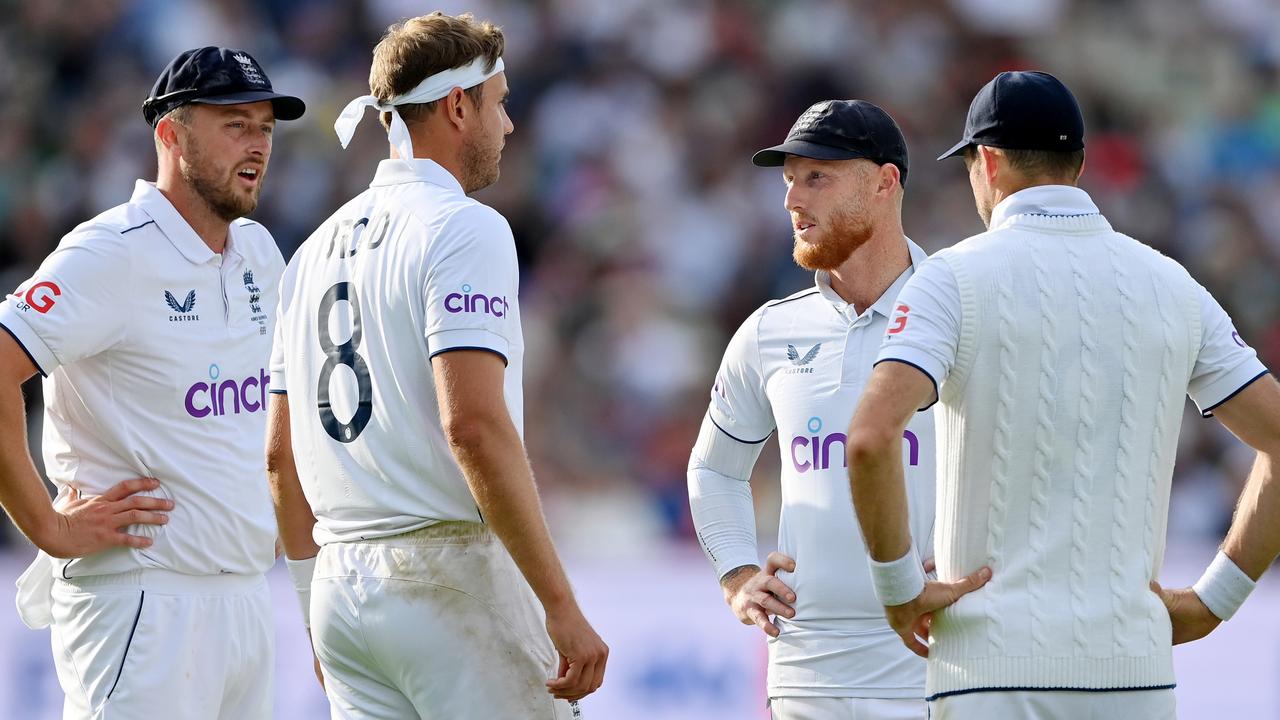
(35, 348)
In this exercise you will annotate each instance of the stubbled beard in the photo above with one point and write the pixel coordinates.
(479, 165)
(843, 233)
(221, 197)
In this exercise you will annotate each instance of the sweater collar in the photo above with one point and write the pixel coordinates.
(1043, 200)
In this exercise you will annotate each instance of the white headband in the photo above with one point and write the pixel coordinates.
(433, 88)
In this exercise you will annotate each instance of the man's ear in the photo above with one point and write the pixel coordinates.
(167, 132)
(989, 158)
(890, 176)
(457, 109)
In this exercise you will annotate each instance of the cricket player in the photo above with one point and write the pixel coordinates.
(1058, 351)
(798, 365)
(396, 431)
(151, 325)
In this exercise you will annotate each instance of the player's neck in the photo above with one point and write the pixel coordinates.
(211, 228)
(872, 268)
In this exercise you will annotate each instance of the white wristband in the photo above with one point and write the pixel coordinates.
(900, 581)
(1224, 586)
(301, 572)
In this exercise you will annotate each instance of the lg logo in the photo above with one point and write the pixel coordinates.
(38, 297)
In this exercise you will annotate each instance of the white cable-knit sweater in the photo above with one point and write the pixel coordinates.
(1063, 356)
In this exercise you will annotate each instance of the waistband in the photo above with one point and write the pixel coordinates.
(449, 532)
(169, 582)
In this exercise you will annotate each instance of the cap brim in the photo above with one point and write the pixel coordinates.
(959, 147)
(287, 107)
(777, 155)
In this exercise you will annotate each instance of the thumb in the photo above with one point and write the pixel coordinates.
(777, 561)
(967, 584)
(1168, 598)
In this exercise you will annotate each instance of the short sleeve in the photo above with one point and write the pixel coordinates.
(71, 308)
(1225, 364)
(472, 280)
(924, 331)
(739, 405)
(278, 366)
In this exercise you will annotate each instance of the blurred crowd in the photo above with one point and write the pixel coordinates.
(645, 234)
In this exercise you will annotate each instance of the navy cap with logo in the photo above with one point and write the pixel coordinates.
(841, 130)
(216, 76)
(1023, 111)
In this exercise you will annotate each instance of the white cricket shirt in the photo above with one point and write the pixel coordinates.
(155, 353)
(799, 364)
(1062, 351)
(406, 270)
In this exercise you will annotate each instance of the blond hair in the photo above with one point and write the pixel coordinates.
(414, 49)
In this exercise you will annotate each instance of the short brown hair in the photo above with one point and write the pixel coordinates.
(1040, 163)
(414, 49)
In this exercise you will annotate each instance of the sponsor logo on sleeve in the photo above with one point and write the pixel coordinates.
(469, 302)
(899, 321)
(1239, 340)
(39, 297)
(182, 310)
(816, 451)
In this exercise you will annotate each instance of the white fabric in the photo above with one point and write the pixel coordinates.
(898, 581)
(800, 364)
(1061, 400)
(301, 572)
(430, 270)
(847, 708)
(431, 88)
(155, 643)
(1223, 365)
(724, 515)
(136, 387)
(1056, 705)
(35, 588)
(1224, 586)
(438, 623)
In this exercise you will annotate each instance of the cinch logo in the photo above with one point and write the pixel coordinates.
(227, 397)
(814, 452)
(466, 302)
(39, 297)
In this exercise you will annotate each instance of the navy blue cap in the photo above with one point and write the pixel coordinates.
(841, 130)
(217, 76)
(1023, 111)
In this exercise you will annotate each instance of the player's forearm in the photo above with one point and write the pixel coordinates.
(493, 460)
(723, 518)
(294, 518)
(1254, 538)
(879, 491)
(22, 492)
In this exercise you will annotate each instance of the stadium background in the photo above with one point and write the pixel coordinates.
(646, 236)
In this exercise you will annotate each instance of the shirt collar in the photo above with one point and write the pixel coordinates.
(171, 223)
(397, 172)
(176, 228)
(885, 304)
(1059, 200)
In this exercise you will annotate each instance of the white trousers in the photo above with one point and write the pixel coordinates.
(831, 708)
(153, 643)
(1057, 705)
(436, 623)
